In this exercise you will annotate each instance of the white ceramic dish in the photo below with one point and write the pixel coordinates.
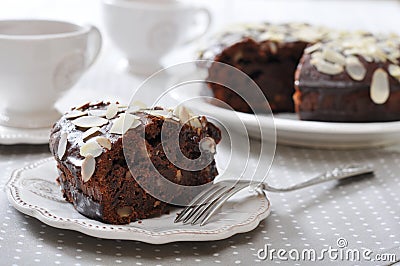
(23, 135)
(40, 61)
(33, 191)
(11, 135)
(292, 131)
(146, 31)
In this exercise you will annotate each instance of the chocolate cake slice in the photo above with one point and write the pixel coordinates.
(352, 78)
(88, 144)
(268, 54)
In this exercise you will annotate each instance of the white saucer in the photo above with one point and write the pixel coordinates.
(33, 190)
(12, 135)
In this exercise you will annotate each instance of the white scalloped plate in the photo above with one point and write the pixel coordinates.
(292, 131)
(11, 135)
(33, 191)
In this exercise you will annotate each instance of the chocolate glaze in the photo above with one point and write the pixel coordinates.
(308, 76)
(339, 98)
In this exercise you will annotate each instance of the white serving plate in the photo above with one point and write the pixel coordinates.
(33, 191)
(292, 131)
(11, 135)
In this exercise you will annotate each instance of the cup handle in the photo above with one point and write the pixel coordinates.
(95, 42)
(208, 16)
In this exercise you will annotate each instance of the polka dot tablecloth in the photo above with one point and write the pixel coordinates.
(364, 212)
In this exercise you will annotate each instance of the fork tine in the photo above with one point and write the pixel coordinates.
(204, 202)
(212, 208)
(194, 203)
(222, 199)
(199, 214)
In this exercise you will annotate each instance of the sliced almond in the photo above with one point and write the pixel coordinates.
(62, 145)
(90, 132)
(313, 48)
(160, 113)
(394, 56)
(326, 67)
(104, 142)
(394, 71)
(317, 55)
(183, 113)
(75, 114)
(98, 112)
(139, 104)
(133, 117)
(132, 109)
(178, 175)
(307, 34)
(334, 57)
(355, 68)
(195, 122)
(87, 168)
(121, 106)
(89, 121)
(353, 51)
(367, 58)
(124, 122)
(91, 148)
(208, 144)
(380, 89)
(112, 111)
(253, 25)
(271, 36)
(393, 59)
(378, 54)
(136, 123)
(273, 48)
(175, 118)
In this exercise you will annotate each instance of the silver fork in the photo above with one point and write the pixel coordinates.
(207, 203)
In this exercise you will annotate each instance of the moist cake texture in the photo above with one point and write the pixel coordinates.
(268, 54)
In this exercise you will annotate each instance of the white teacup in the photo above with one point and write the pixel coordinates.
(146, 30)
(39, 61)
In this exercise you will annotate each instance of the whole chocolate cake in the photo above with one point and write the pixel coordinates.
(87, 143)
(350, 79)
(341, 76)
(267, 53)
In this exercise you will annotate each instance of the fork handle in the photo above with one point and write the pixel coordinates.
(335, 174)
